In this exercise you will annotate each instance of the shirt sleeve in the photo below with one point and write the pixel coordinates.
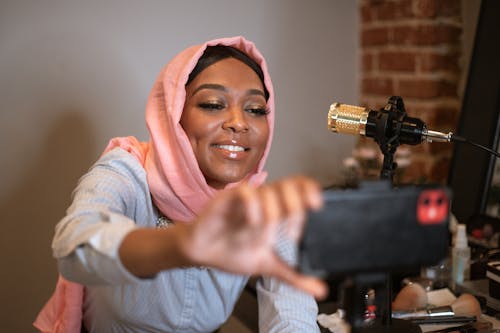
(283, 308)
(106, 203)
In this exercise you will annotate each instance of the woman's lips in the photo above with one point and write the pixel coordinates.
(234, 152)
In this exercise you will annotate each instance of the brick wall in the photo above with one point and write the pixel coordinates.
(411, 48)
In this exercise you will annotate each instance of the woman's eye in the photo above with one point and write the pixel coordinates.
(211, 106)
(258, 111)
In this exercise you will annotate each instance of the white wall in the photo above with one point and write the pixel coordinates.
(74, 74)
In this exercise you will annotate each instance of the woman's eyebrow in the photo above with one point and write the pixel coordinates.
(256, 92)
(224, 89)
(210, 86)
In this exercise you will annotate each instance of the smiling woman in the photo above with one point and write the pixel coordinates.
(163, 235)
(225, 120)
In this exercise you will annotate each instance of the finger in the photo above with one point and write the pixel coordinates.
(311, 285)
(291, 196)
(249, 205)
(292, 206)
(267, 228)
(302, 194)
(311, 192)
(270, 203)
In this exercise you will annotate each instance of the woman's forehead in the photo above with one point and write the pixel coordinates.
(224, 73)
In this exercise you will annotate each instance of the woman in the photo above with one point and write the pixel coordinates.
(164, 234)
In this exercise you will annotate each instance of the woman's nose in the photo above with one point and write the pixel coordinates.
(236, 120)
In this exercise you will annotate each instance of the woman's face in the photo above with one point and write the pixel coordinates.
(225, 120)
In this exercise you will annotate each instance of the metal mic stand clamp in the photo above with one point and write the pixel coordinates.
(387, 134)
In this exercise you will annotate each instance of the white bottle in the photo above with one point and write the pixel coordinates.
(460, 256)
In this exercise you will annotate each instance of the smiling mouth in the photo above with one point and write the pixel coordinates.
(231, 148)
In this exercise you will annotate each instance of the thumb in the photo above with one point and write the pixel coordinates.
(282, 271)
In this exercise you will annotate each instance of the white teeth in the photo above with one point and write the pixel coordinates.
(231, 148)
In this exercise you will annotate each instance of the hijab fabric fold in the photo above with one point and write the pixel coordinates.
(176, 183)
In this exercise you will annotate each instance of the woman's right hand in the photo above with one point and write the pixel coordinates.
(238, 230)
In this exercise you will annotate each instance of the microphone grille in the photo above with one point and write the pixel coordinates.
(348, 119)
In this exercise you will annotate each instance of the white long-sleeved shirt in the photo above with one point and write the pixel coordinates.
(111, 200)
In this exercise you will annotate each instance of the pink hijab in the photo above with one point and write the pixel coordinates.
(176, 183)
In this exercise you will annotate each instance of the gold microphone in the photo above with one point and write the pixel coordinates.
(348, 119)
(357, 120)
